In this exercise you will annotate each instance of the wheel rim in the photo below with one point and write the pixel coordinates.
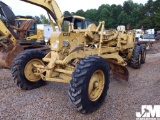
(30, 70)
(96, 85)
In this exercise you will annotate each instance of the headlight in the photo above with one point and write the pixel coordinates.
(65, 43)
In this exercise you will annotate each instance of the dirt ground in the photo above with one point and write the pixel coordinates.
(52, 102)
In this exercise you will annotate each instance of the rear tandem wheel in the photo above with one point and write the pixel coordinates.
(143, 53)
(136, 57)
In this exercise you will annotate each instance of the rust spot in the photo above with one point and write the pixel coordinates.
(7, 56)
(118, 70)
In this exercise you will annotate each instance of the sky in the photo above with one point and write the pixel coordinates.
(23, 8)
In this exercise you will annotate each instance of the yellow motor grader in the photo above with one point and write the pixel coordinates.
(82, 54)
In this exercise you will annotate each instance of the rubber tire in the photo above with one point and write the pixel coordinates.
(135, 63)
(143, 53)
(78, 91)
(17, 69)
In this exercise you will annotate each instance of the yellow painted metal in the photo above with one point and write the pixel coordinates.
(51, 22)
(33, 37)
(6, 33)
(129, 54)
(22, 19)
(80, 17)
(60, 56)
(101, 38)
(29, 70)
(96, 85)
(64, 78)
(19, 23)
(53, 10)
(40, 34)
(63, 71)
(51, 7)
(76, 44)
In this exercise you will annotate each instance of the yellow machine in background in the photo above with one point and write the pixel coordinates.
(17, 33)
(20, 20)
(33, 33)
(39, 35)
(82, 54)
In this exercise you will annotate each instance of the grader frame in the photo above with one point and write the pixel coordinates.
(82, 57)
(69, 52)
(109, 46)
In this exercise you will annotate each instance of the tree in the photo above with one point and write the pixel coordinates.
(92, 15)
(149, 8)
(137, 15)
(80, 13)
(105, 16)
(156, 6)
(123, 18)
(147, 23)
(115, 11)
(38, 20)
(44, 20)
(157, 20)
(66, 13)
(128, 6)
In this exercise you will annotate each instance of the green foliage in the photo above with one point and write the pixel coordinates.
(157, 20)
(137, 15)
(133, 14)
(80, 13)
(128, 6)
(38, 20)
(66, 13)
(42, 19)
(123, 18)
(92, 15)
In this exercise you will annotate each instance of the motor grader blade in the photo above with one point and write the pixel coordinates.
(7, 55)
(118, 70)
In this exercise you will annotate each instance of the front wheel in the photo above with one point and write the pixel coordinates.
(89, 84)
(23, 70)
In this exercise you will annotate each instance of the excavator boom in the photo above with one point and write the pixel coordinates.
(8, 52)
(5, 33)
(51, 7)
(5, 11)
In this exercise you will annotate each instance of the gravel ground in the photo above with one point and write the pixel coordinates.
(124, 99)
